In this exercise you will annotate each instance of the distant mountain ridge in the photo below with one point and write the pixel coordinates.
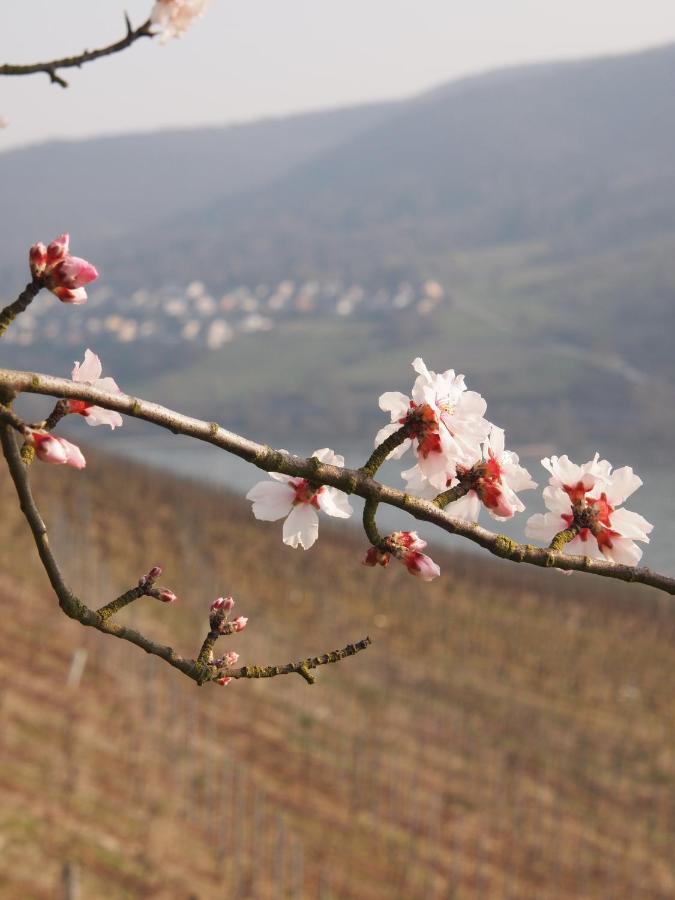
(542, 198)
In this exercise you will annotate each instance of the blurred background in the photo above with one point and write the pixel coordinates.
(286, 206)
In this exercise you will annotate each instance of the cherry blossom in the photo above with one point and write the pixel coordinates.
(64, 275)
(56, 450)
(494, 479)
(174, 17)
(297, 500)
(89, 372)
(445, 422)
(588, 498)
(406, 546)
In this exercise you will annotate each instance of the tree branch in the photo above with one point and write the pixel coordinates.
(68, 62)
(74, 608)
(351, 481)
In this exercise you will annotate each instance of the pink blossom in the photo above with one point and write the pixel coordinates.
(589, 498)
(89, 372)
(174, 17)
(65, 275)
(445, 422)
(297, 500)
(240, 623)
(231, 658)
(56, 450)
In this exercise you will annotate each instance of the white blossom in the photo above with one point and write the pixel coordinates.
(296, 500)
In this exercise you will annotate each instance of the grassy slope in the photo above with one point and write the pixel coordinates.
(507, 734)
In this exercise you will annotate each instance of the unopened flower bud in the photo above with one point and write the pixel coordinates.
(167, 596)
(37, 258)
(231, 658)
(240, 623)
(376, 557)
(57, 249)
(56, 450)
(154, 573)
(224, 681)
(222, 604)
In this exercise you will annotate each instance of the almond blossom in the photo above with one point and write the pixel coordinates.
(493, 478)
(174, 17)
(406, 546)
(588, 499)
(297, 500)
(444, 420)
(64, 275)
(56, 450)
(89, 372)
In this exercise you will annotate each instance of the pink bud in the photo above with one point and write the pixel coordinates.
(154, 573)
(72, 272)
(167, 596)
(56, 450)
(240, 623)
(231, 658)
(376, 557)
(37, 258)
(421, 565)
(57, 249)
(222, 604)
(224, 681)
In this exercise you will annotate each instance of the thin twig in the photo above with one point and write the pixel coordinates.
(21, 304)
(51, 67)
(351, 481)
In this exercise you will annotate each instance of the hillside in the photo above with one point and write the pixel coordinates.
(507, 734)
(105, 189)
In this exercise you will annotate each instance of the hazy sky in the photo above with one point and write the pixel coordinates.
(255, 58)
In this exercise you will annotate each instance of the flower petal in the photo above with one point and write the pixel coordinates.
(301, 528)
(271, 500)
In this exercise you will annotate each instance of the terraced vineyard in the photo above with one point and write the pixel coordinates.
(509, 733)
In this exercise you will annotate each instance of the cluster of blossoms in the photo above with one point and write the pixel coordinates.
(462, 462)
(220, 624)
(586, 501)
(405, 546)
(455, 446)
(297, 500)
(174, 17)
(63, 274)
